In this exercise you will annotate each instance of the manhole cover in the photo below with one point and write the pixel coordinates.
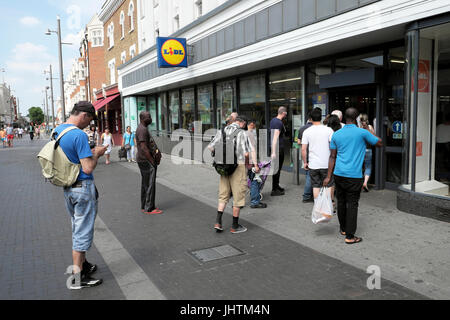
(216, 253)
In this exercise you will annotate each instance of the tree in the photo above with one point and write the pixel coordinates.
(36, 115)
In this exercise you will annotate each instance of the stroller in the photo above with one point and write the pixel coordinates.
(261, 176)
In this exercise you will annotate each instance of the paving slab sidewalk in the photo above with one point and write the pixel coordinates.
(410, 250)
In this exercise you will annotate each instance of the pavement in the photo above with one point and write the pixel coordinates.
(282, 256)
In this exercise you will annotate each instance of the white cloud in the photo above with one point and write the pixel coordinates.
(30, 21)
(28, 57)
(73, 38)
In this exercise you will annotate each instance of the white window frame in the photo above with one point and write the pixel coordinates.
(176, 22)
(133, 51)
(122, 24)
(142, 2)
(111, 35)
(131, 15)
(123, 57)
(198, 8)
(112, 71)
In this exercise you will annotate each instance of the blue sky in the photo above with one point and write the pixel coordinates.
(26, 51)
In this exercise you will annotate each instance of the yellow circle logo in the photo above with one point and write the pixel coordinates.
(173, 52)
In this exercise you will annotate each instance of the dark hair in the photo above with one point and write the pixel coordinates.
(327, 118)
(316, 114)
(334, 122)
(251, 121)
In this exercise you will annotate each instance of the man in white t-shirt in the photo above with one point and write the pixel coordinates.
(317, 139)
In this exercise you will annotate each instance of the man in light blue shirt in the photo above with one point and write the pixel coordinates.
(348, 147)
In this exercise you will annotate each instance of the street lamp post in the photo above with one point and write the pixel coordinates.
(61, 72)
(51, 94)
(46, 108)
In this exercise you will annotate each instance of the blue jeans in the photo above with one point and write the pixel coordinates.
(368, 163)
(307, 192)
(82, 205)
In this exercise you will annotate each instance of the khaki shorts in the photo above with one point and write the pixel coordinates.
(236, 184)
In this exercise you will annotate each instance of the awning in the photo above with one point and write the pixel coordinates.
(100, 104)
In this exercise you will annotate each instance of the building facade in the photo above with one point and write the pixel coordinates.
(119, 18)
(255, 56)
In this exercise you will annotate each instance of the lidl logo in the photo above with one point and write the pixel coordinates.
(172, 52)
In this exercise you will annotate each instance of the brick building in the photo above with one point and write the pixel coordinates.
(119, 20)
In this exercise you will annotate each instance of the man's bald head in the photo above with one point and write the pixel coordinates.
(350, 115)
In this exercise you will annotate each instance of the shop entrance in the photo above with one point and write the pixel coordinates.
(363, 99)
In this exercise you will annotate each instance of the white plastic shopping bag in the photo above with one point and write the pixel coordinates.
(323, 207)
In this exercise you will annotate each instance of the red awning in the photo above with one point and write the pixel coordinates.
(100, 104)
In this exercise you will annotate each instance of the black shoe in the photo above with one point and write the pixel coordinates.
(366, 189)
(89, 268)
(259, 205)
(277, 193)
(281, 189)
(85, 282)
(308, 200)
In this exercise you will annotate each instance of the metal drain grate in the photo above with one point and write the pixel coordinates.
(216, 253)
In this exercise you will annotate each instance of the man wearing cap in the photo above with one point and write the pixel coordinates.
(82, 197)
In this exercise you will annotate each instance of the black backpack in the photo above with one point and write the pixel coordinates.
(222, 166)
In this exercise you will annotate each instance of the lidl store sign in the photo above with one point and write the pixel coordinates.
(172, 52)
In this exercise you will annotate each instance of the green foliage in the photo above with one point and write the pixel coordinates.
(36, 115)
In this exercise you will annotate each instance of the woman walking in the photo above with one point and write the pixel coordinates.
(368, 157)
(92, 136)
(129, 143)
(107, 141)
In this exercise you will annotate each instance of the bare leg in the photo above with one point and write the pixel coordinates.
(78, 259)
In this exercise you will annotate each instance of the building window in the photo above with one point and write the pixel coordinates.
(143, 2)
(131, 15)
(122, 24)
(205, 109)
(111, 35)
(176, 23)
(188, 109)
(253, 99)
(123, 57)
(198, 8)
(226, 101)
(133, 51)
(97, 38)
(430, 122)
(174, 106)
(112, 71)
(162, 112)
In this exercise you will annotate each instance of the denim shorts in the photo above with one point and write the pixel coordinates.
(82, 205)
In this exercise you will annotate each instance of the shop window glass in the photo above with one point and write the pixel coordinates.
(317, 97)
(174, 106)
(226, 101)
(188, 109)
(253, 98)
(433, 119)
(162, 113)
(152, 110)
(286, 88)
(205, 108)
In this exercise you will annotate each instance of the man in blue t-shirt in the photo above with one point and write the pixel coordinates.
(277, 133)
(348, 148)
(81, 198)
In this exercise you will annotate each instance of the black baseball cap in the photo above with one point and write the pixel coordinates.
(85, 106)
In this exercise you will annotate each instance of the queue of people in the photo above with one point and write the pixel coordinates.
(333, 156)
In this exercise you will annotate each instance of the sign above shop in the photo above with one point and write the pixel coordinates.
(172, 52)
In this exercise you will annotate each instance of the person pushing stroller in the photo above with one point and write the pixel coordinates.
(256, 177)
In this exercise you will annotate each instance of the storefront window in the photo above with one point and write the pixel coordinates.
(432, 115)
(188, 109)
(286, 88)
(152, 110)
(317, 98)
(226, 101)
(174, 106)
(162, 112)
(141, 107)
(253, 99)
(205, 109)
